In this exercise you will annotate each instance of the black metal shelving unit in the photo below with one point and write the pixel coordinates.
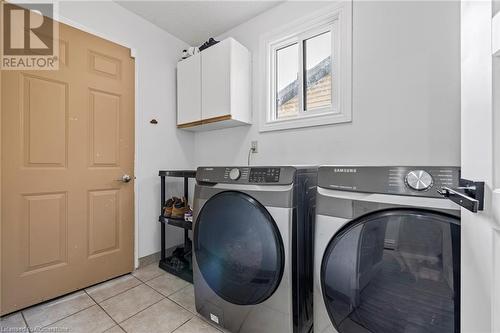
(179, 262)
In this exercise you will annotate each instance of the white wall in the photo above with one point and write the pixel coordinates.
(406, 97)
(159, 146)
(406, 92)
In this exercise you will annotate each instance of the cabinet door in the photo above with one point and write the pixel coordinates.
(215, 81)
(189, 90)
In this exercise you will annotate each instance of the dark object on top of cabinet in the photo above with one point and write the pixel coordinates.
(206, 45)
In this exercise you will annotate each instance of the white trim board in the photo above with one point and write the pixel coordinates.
(495, 35)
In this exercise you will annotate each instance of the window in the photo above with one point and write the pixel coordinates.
(287, 81)
(318, 72)
(308, 71)
(316, 82)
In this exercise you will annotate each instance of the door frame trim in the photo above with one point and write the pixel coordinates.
(1, 13)
(495, 196)
(137, 120)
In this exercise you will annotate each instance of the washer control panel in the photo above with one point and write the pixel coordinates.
(264, 175)
(401, 180)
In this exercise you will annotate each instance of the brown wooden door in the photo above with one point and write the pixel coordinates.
(67, 136)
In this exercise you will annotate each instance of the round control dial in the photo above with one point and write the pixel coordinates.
(419, 180)
(234, 174)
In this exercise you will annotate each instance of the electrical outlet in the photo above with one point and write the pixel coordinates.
(254, 147)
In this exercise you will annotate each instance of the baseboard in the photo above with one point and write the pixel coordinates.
(150, 259)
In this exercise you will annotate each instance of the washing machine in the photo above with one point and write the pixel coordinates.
(387, 250)
(252, 244)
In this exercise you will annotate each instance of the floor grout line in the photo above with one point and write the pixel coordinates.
(189, 285)
(118, 323)
(113, 319)
(144, 281)
(167, 296)
(25, 322)
(88, 307)
(195, 313)
(184, 323)
(162, 272)
(135, 314)
(109, 280)
(182, 306)
(121, 292)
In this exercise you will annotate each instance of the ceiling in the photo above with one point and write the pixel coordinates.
(195, 21)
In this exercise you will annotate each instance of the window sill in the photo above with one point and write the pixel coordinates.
(305, 121)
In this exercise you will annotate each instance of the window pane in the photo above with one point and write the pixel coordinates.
(287, 83)
(318, 58)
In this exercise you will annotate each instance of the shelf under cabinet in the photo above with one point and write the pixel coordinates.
(212, 124)
(177, 222)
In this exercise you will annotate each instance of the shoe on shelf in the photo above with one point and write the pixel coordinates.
(169, 205)
(179, 209)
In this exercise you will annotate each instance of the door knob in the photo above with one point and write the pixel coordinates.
(125, 179)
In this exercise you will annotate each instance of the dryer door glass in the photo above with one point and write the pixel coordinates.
(394, 271)
(238, 248)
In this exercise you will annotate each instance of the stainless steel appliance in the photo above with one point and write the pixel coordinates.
(252, 247)
(387, 250)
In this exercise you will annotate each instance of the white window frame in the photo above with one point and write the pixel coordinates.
(338, 20)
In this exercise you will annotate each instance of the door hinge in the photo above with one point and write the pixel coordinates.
(469, 194)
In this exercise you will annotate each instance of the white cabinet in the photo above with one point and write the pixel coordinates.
(189, 90)
(223, 81)
(216, 80)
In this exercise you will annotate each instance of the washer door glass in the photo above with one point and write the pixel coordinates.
(238, 248)
(394, 271)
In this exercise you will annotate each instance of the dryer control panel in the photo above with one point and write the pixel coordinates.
(401, 180)
(259, 175)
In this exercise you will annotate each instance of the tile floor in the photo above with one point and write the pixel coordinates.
(147, 301)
